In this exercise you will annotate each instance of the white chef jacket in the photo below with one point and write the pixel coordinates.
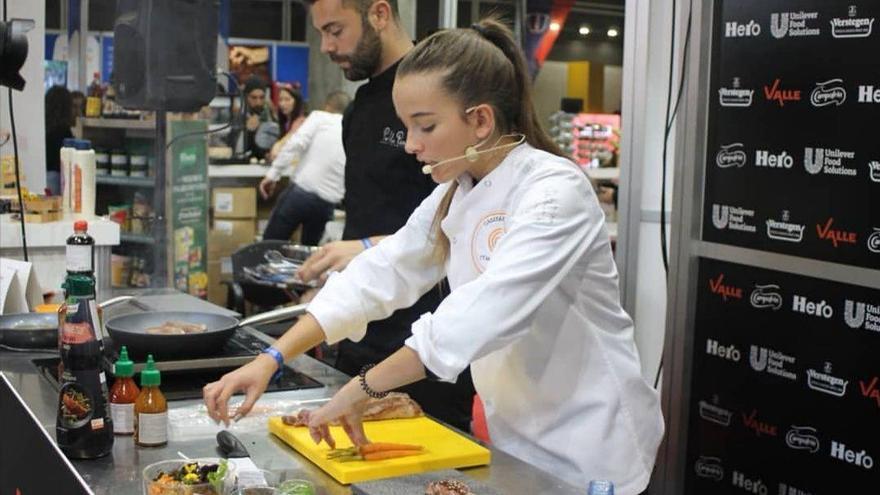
(534, 308)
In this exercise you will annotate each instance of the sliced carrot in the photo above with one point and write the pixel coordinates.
(382, 447)
(389, 454)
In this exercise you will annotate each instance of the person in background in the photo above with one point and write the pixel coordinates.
(318, 182)
(383, 185)
(291, 113)
(78, 99)
(59, 120)
(257, 111)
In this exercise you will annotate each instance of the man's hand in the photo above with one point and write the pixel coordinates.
(267, 187)
(253, 122)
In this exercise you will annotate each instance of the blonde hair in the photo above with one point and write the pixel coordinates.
(479, 65)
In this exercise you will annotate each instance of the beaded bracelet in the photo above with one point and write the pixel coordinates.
(366, 388)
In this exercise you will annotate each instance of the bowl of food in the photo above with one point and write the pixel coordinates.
(205, 476)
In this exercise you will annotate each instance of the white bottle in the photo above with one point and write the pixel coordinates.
(83, 180)
(66, 156)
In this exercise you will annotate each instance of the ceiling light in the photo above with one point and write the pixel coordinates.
(554, 26)
(584, 30)
(613, 32)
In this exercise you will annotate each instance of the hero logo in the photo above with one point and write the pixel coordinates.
(826, 382)
(735, 96)
(852, 26)
(793, 24)
(785, 489)
(712, 413)
(862, 315)
(870, 389)
(861, 459)
(874, 241)
(826, 232)
(800, 304)
(868, 94)
(765, 296)
(731, 155)
(802, 438)
(717, 287)
(735, 29)
(752, 422)
(784, 230)
(874, 170)
(730, 352)
(752, 486)
(831, 161)
(830, 92)
(733, 218)
(764, 158)
(779, 95)
(771, 361)
(709, 467)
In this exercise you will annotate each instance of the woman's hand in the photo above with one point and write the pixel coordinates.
(347, 406)
(252, 378)
(332, 257)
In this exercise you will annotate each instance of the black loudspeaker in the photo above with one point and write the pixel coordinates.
(165, 53)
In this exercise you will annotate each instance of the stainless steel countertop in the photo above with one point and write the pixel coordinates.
(120, 472)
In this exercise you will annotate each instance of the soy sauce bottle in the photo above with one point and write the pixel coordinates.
(83, 427)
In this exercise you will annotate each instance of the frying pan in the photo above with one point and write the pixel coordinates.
(37, 330)
(130, 330)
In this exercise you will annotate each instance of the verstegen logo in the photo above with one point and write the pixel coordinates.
(802, 438)
(735, 96)
(830, 92)
(826, 382)
(731, 155)
(715, 414)
(793, 24)
(766, 296)
(733, 218)
(709, 467)
(851, 26)
(861, 315)
(784, 230)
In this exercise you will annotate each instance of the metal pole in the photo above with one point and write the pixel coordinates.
(448, 14)
(160, 193)
(83, 45)
(286, 12)
(520, 22)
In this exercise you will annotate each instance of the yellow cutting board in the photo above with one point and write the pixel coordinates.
(444, 448)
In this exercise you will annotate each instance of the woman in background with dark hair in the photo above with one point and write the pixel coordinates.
(291, 113)
(59, 120)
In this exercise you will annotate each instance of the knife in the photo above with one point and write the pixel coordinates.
(248, 473)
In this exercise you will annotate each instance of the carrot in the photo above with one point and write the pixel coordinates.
(389, 454)
(382, 447)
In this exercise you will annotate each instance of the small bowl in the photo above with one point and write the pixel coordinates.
(177, 488)
(278, 484)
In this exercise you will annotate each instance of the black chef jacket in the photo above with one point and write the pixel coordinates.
(383, 186)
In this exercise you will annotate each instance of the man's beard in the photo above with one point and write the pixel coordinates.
(364, 62)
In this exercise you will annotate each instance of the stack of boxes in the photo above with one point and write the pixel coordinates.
(234, 226)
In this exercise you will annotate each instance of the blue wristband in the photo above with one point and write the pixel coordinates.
(367, 243)
(279, 358)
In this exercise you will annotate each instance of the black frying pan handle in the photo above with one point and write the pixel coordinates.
(230, 445)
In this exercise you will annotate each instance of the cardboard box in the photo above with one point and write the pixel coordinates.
(217, 290)
(234, 202)
(227, 236)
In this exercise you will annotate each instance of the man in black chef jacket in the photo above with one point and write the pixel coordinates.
(383, 183)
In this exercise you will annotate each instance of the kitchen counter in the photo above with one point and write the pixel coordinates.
(120, 472)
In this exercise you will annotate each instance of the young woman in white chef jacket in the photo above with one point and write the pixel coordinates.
(534, 305)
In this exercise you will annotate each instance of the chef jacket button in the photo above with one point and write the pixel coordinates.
(488, 183)
(454, 239)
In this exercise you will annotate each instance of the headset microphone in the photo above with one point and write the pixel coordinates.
(471, 153)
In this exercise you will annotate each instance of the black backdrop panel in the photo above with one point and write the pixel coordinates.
(785, 385)
(793, 151)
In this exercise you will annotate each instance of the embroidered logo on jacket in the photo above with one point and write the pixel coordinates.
(488, 232)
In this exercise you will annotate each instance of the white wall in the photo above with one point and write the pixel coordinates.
(612, 86)
(28, 104)
(551, 86)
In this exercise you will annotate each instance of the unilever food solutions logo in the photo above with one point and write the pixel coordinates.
(733, 218)
(832, 161)
(766, 296)
(861, 315)
(735, 96)
(731, 155)
(793, 24)
(765, 360)
(802, 438)
(709, 467)
(825, 382)
(830, 92)
(851, 26)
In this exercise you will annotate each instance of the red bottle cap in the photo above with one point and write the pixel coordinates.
(80, 225)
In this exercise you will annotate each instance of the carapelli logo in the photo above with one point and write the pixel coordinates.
(758, 427)
(733, 218)
(874, 170)
(802, 438)
(713, 413)
(728, 352)
(709, 467)
(786, 489)
(851, 26)
(766, 296)
(830, 92)
(750, 485)
(861, 315)
(793, 24)
(826, 382)
(735, 96)
(762, 359)
(735, 29)
(775, 93)
(785, 230)
(731, 155)
(827, 232)
(830, 161)
(717, 286)
(861, 458)
(874, 241)
(871, 389)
